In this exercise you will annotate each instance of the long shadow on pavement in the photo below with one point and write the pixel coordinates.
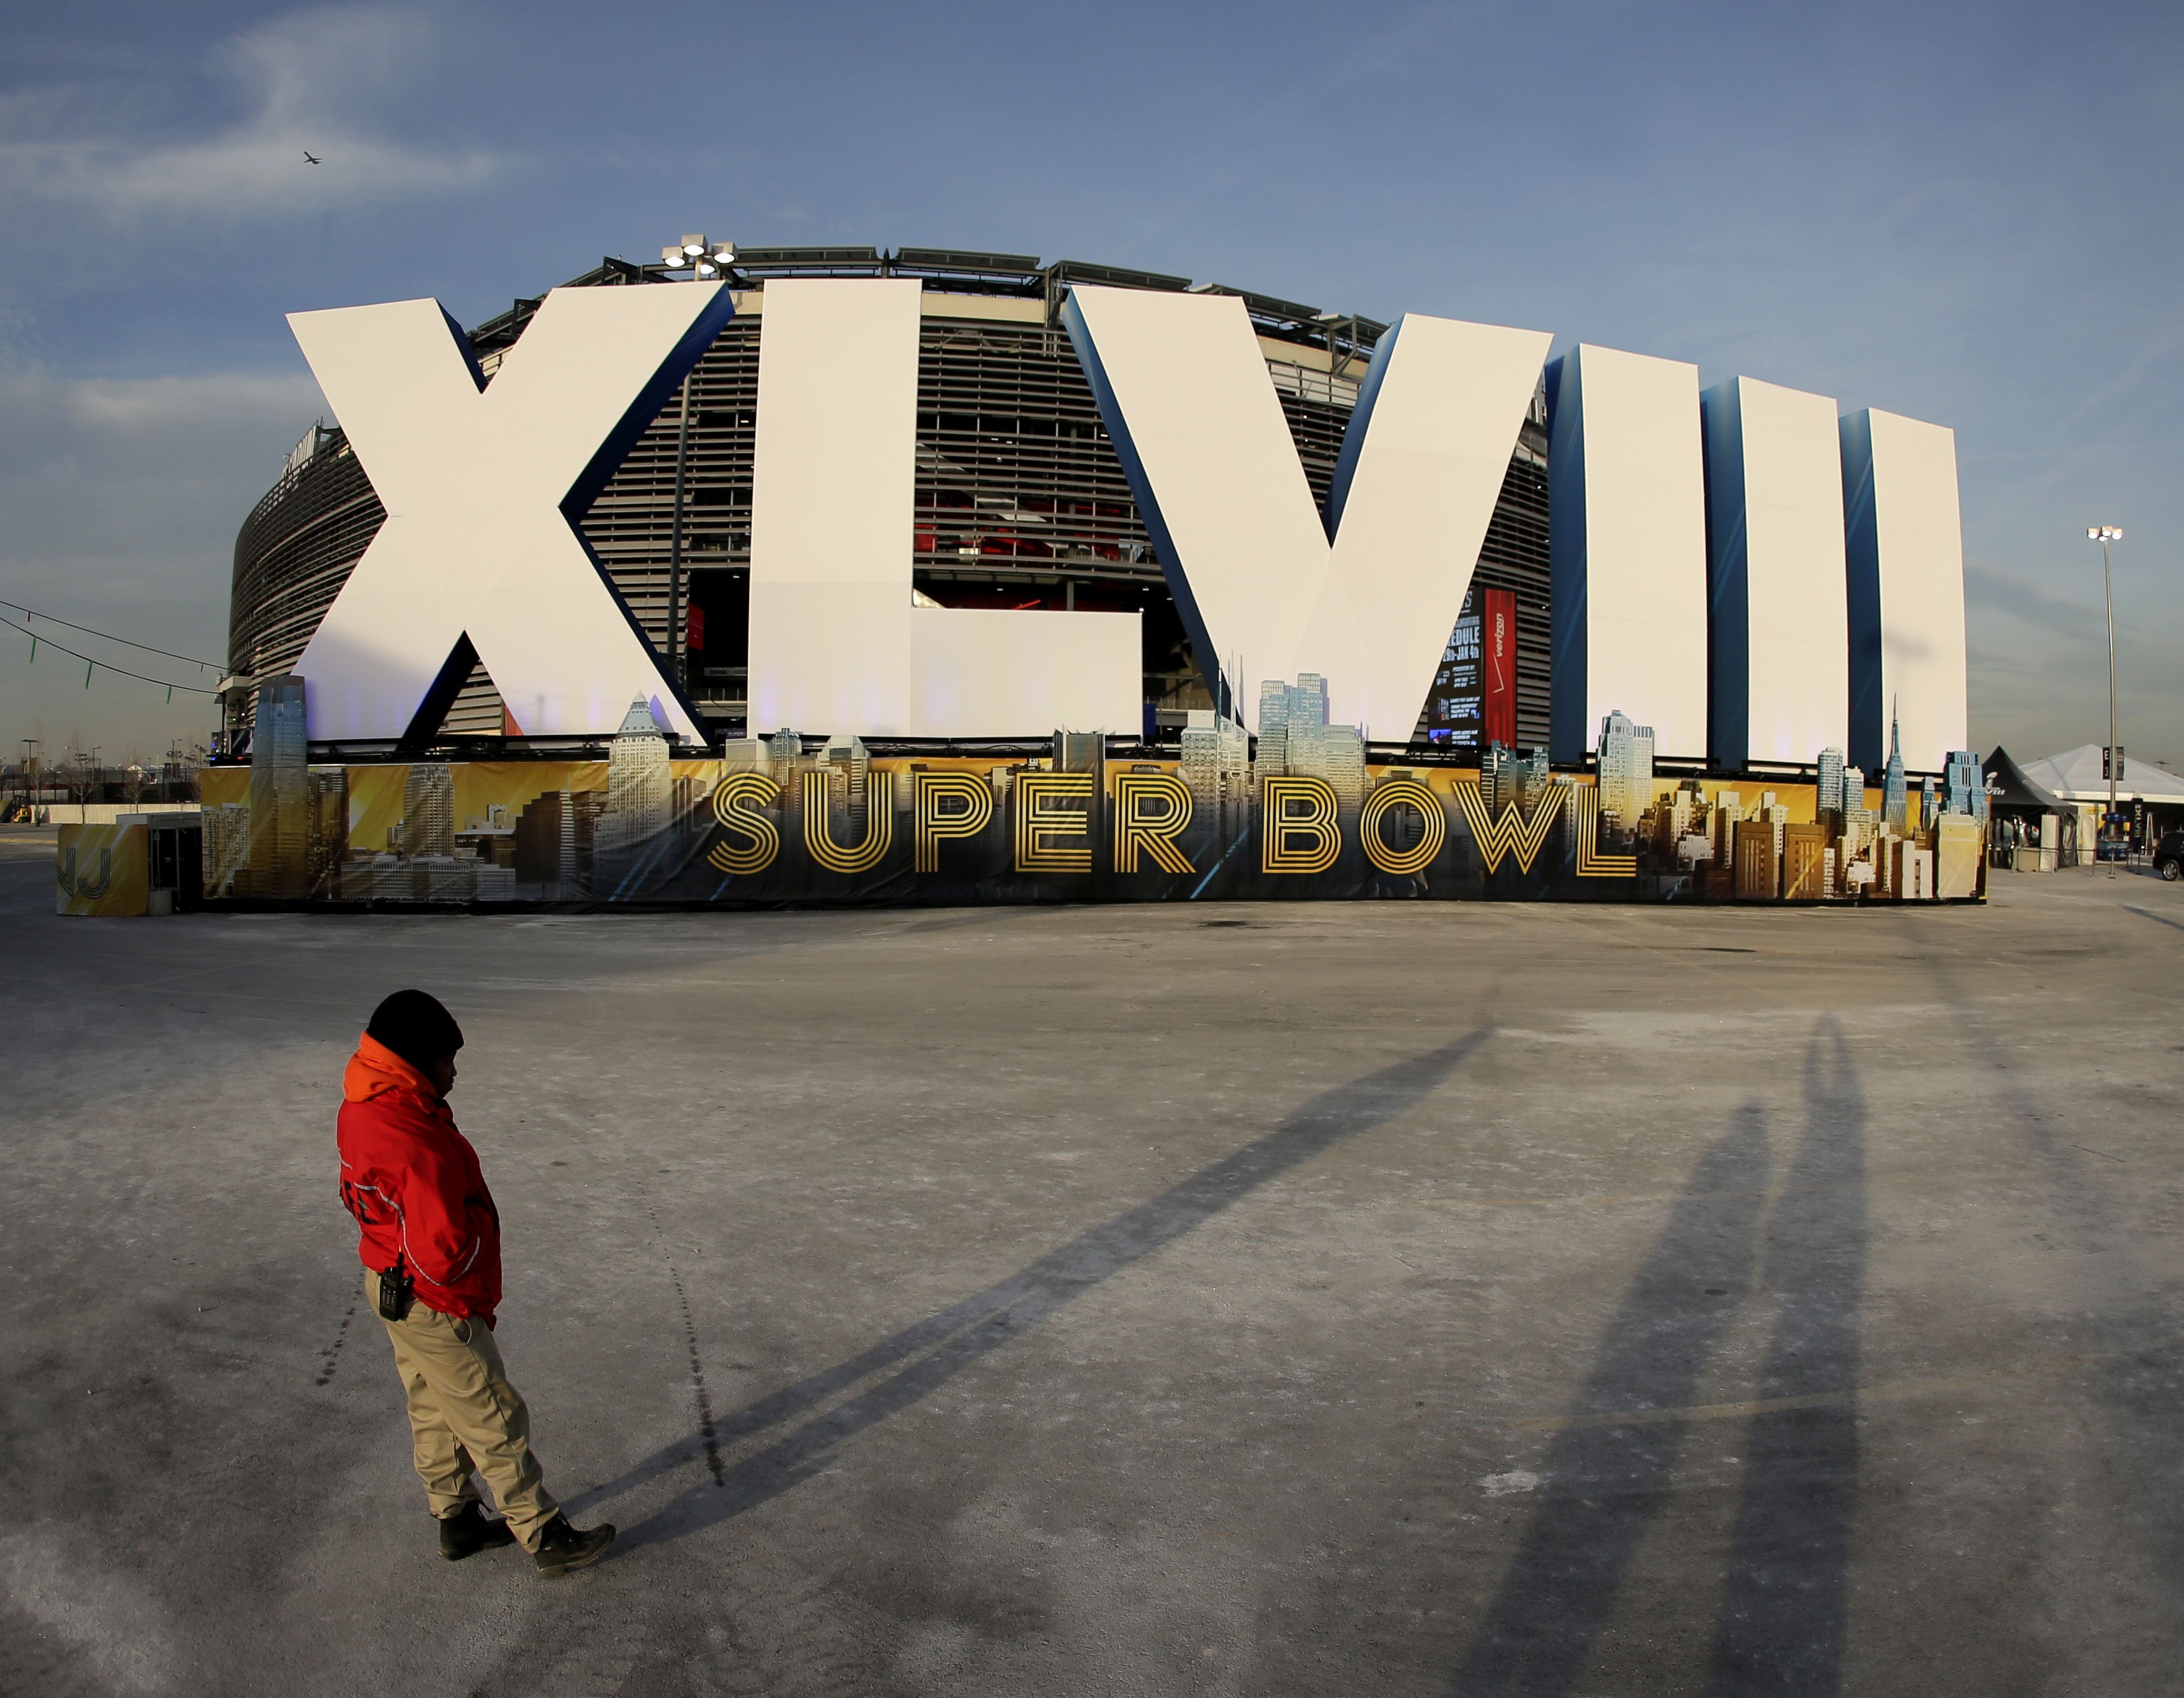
(1785, 1610)
(943, 1344)
(1783, 1614)
(2123, 1310)
(1606, 1483)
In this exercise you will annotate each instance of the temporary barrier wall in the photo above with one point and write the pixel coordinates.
(102, 870)
(836, 825)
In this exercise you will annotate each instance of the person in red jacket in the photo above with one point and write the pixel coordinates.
(431, 1249)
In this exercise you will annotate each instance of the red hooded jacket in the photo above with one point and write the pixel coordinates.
(414, 1183)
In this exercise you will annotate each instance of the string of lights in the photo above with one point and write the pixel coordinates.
(90, 666)
(108, 636)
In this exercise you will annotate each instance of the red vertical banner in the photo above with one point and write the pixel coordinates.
(1497, 667)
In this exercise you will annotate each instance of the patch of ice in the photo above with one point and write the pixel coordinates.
(1516, 1480)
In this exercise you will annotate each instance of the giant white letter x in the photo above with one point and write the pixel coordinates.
(483, 488)
(1367, 596)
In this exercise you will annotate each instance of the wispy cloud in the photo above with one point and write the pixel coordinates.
(329, 80)
(123, 496)
(126, 490)
(135, 423)
(1988, 589)
(2039, 673)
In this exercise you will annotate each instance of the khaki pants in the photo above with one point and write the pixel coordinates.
(466, 1418)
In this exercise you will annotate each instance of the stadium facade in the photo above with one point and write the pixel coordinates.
(1021, 499)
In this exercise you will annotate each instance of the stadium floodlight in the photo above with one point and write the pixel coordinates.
(699, 255)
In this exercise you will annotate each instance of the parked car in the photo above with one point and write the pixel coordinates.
(2168, 857)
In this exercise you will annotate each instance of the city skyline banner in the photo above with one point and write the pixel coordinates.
(779, 822)
(101, 871)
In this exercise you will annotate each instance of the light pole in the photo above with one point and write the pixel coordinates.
(703, 259)
(2105, 534)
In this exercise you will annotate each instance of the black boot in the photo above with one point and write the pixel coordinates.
(562, 1547)
(467, 1532)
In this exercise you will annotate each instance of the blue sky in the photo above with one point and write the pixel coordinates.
(1966, 213)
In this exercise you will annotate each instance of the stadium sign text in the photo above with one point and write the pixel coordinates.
(482, 558)
(1743, 572)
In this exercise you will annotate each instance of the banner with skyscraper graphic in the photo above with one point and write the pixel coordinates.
(1298, 812)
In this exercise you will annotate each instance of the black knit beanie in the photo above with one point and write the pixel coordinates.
(416, 1027)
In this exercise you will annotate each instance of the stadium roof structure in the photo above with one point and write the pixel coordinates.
(1347, 336)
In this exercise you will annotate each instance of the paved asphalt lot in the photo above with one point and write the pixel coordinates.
(1314, 1299)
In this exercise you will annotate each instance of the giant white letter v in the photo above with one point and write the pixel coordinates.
(483, 488)
(1367, 595)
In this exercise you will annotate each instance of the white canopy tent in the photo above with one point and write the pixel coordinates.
(2075, 779)
(2076, 776)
